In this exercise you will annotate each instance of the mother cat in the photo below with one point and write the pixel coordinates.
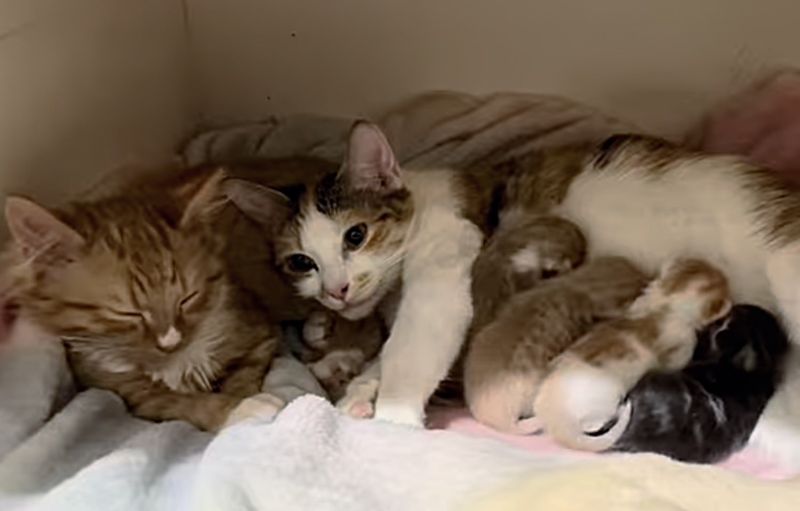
(360, 233)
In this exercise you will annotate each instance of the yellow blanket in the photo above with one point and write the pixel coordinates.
(642, 483)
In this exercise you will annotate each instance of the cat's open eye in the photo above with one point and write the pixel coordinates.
(354, 237)
(188, 299)
(300, 263)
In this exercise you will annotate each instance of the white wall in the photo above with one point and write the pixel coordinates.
(657, 62)
(86, 85)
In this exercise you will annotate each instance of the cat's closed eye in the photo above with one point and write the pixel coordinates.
(354, 237)
(300, 263)
(189, 299)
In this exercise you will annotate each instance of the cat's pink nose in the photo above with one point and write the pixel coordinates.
(340, 293)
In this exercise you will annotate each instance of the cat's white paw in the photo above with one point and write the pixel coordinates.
(315, 330)
(359, 399)
(399, 414)
(260, 406)
(338, 368)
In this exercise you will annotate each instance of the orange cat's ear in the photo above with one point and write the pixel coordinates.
(264, 205)
(206, 200)
(371, 164)
(36, 230)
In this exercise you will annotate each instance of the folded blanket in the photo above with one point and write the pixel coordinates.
(444, 128)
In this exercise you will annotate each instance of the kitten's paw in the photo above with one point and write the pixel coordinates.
(315, 330)
(359, 399)
(399, 414)
(260, 406)
(336, 369)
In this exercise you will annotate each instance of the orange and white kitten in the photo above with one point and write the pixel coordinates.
(136, 284)
(586, 384)
(508, 357)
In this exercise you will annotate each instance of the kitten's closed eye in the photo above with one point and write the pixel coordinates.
(189, 300)
(300, 263)
(354, 237)
(128, 314)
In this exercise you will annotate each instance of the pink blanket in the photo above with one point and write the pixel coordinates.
(748, 461)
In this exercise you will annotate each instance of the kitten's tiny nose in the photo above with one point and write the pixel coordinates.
(339, 294)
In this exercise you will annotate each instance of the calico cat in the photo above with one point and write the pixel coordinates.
(375, 237)
(136, 284)
(706, 412)
(585, 385)
(507, 358)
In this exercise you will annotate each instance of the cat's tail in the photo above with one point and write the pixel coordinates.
(504, 401)
(579, 407)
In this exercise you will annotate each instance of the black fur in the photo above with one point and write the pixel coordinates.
(707, 412)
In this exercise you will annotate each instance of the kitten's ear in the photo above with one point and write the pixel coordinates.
(206, 200)
(264, 205)
(36, 230)
(371, 164)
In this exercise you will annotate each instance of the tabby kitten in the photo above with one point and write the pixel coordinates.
(706, 412)
(508, 358)
(586, 384)
(137, 287)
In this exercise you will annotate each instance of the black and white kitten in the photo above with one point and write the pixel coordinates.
(707, 411)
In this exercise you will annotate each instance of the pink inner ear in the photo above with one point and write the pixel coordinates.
(371, 164)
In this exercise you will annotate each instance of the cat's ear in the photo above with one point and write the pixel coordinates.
(370, 164)
(264, 205)
(37, 231)
(205, 200)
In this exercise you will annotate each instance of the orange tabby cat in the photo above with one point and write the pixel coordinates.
(137, 286)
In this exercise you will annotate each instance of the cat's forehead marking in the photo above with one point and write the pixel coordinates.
(321, 237)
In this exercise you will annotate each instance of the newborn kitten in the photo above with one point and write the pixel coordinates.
(137, 287)
(586, 383)
(707, 411)
(507, 359)
(522, 251)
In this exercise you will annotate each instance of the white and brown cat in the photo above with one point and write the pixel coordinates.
(375, 237)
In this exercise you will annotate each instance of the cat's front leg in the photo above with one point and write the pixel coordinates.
(431, 324)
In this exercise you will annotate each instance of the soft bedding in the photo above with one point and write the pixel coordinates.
(62, 450)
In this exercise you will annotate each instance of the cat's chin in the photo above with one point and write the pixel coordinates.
(359, 310)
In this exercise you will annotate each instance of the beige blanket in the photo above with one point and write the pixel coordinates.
(436, 129)
(642, 483)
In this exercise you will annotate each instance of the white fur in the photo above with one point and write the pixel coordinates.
(321, 237)
(436, 306)
(359, 398)
(431, 312)
(170, 339)
(526, 260)
(696, 210)
(194, 368)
